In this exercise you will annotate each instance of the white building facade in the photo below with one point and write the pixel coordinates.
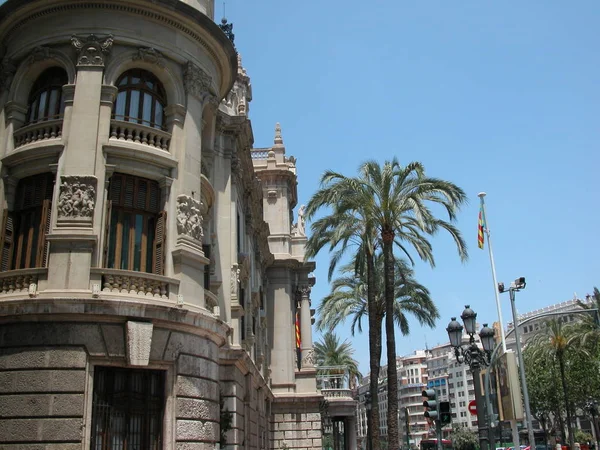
(150, 271)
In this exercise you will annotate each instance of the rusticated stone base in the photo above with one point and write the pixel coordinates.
(45, 368)
(296, 423)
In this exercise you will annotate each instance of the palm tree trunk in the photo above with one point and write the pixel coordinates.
(561, 364)
(392, 370)
(374, 353)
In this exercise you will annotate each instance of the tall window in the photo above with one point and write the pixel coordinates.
(23, 242)
(141, 99)
(45, 99)
(128, 408)
(136, 227)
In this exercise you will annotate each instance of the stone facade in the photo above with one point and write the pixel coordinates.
(150, 268)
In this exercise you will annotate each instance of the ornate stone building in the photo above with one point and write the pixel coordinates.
(151, 275)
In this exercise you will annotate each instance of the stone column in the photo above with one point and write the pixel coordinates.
(73, 238)
(189, 259)
(308, 359)
(350, 431)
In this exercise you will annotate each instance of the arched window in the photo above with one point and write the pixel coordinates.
(135, 225)
(45, 99)
(23, 243)
(141, 99)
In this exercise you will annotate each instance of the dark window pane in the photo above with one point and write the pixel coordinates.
(53, 104)
(137, 249)
(158, 115)
(112, 239)
(134, 105)
(42, 106)
(120, 105)
(147, 112)
(125, 244)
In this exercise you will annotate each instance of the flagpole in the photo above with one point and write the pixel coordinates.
(481, 195)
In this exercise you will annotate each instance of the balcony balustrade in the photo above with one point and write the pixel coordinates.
(135, 283)
(141, 134)
(48, 129)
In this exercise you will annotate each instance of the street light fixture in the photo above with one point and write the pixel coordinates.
(368, 406)
(475, 358)
(515, 286)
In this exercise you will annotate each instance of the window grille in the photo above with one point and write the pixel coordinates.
(127, 410)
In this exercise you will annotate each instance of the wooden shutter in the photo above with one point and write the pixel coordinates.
(107, 230)
(43, 244)
(6, 240)
(160, 236)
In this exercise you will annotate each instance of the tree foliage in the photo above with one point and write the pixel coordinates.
(329, 351)
(386, 207)
(463, 438)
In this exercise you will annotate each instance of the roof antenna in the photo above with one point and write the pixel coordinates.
(224, 14)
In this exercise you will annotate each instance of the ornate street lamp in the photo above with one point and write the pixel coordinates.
(475, 358)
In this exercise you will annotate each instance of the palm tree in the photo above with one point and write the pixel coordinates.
(329, 352)
(348, 299)
(398, 198)
(588, 330)
(553, 343)
(392, 202)
(348, 227)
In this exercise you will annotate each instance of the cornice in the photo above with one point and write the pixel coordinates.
(14, 14)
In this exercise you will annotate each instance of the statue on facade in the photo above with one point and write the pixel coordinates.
(300, 227)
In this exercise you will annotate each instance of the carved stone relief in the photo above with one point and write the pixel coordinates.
(150, 55)
(40, 54)
(196, 81)
(189, 218)
(77, 197)
(235, 279)
(92, 50)
(7, 71)
(308, 357)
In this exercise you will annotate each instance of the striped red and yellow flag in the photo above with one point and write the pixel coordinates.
(480, 235)
(298, 341)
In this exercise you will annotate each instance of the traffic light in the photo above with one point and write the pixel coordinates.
(445, 413)
(431, 404)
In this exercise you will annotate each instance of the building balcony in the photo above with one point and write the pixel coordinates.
(140, 284)
(336, 393)
(139, 134)
(39, 131)
(22, 281)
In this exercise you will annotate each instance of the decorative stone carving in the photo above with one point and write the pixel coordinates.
(304, 291)
(235, 279)
(244, 265)
(139, 343)
(92, 50)
(196, 81)
(77, 197)
(40, 53)
(7, 71)
(189, 218)
(150, 55)
(308, 357)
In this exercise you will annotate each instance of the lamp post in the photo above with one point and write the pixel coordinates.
(369, 432)
(476, 359)
(515, 286)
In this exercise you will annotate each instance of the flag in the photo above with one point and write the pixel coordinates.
(480, 237)
(298, 341)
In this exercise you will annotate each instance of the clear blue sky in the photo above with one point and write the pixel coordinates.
(502, 97)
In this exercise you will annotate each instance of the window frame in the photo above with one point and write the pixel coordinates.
(164, 429)
(50, 81)
(157, 94)
(24, 243)
(122, 213)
